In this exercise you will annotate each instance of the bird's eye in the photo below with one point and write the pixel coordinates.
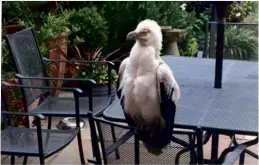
(144, 32)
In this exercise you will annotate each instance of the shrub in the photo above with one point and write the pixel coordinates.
(53, 25)
(88, 27)
(238, 11)
(8, 68)
(123, 17)
(241, 44)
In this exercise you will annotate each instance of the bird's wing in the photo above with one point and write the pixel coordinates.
(120, 76)
(165, 76)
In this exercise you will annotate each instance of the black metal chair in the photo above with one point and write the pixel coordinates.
(42, 143)
(29, 62)
(31, 70)
(123, 145)
(184, 147)
(127, 147)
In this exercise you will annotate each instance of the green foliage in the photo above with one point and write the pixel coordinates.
(8, 68)
(238, 11)
(252, 18)
(54, 25)
(241, 43)
(123, 17)
(12, 10)
(95, 71)
(191, 47)
(88, 27)
(98, 73)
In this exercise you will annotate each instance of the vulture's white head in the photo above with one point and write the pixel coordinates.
(147, 33)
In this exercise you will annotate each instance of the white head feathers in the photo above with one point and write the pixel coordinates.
(148, 33)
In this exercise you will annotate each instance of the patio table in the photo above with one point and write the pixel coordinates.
(233, 109)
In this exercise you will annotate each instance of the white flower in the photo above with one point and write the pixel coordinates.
(238, 14)
(83, 73)
(183, 6)
(77, 67)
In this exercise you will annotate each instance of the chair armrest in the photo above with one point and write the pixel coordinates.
(77, 61)
(77, 90)
(231, 154)
(52, 78)
(40, 116)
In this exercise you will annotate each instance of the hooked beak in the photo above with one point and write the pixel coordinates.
(137, 35)
(131, 35)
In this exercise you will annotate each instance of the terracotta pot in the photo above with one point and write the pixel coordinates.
(56, 70)
(10, 29)
(57, 51)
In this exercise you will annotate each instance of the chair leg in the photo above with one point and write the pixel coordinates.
(49, 122)
(25, 160)
(12, 159)
(80, 147)
(114, 140)
(42, 160)
(137, 156)
(242, 158)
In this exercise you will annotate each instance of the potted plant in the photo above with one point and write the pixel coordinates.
(95, 71)
(54, 34)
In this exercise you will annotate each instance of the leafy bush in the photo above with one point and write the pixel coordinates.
(8, 68)
(238, 11)
(123, 17)
(191, 47)
(241, 43)
(95, 71)
(88, 27)
(53, 25)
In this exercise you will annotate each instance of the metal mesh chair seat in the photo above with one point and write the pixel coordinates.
(126, 152)
(64, 106)
(24, 140)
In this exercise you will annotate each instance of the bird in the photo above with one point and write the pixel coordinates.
(147, 88)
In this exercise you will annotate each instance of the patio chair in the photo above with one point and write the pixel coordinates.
(42, 143)
(185, 146)
(30, 67)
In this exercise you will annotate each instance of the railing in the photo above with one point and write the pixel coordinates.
(241, 41)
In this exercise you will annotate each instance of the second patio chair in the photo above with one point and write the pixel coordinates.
(42, 143)
(31, 70)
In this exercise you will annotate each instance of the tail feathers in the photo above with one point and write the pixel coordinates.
(156, 143)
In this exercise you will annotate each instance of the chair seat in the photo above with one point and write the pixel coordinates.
(20, 140)
(65, 106)
(126, 152)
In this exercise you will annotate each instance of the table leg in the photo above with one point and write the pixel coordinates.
(199, 135)
(214, 147)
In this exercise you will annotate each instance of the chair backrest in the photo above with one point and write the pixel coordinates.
(24, 49)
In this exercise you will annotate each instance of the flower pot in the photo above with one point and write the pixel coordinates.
(10, 29)
(57, 51)
(98, 90)
(56, 70)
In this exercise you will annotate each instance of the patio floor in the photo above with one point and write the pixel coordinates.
(70, 154)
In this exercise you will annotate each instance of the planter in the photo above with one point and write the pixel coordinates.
(57, 51)
(98, 90)
(11, 29)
